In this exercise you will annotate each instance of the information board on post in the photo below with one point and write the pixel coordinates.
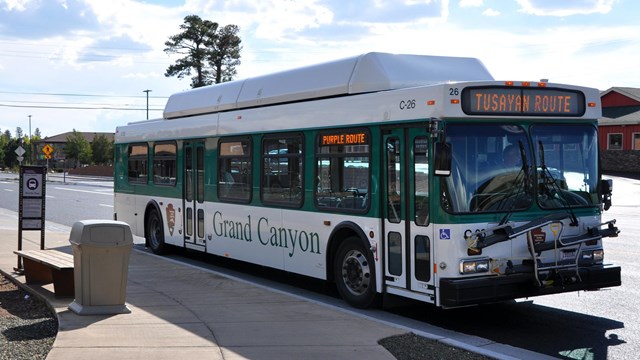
(31, 203)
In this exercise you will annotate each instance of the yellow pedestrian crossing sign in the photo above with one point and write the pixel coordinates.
(47, 150)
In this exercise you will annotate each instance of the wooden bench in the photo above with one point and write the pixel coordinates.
(49, 266)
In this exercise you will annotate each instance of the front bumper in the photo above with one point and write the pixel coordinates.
(456, 292)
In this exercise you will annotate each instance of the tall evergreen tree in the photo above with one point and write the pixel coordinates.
(10, 158)
(226, 53)
(211, 51)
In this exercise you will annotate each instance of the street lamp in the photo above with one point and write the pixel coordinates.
(147, 91)
(30, 144)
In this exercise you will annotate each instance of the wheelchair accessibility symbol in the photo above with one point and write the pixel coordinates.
(445, 234)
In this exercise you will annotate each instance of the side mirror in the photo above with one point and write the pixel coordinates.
(443, 159)
(606, 187)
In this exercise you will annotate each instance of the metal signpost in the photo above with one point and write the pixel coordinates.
(20, 151)
(47, 150)
(31, 206)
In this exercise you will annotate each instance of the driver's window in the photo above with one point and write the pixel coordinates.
(488, 172)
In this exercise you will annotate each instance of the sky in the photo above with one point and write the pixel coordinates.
(85, 64)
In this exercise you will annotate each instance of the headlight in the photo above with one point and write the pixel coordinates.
(593, 256)
(474, 266)
(598, 256)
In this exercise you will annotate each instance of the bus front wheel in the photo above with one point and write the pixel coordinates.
(154, 233)
(353, 272)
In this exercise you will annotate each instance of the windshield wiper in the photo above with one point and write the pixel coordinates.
(547, 178)
(524, 171)
(501, 233)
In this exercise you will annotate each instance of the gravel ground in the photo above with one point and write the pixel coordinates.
(28, 329)
(414, 347)
(27, 325)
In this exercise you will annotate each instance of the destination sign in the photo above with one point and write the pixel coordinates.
(344, 139)
(497, 100)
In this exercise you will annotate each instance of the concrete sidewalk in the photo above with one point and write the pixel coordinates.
(179, 311)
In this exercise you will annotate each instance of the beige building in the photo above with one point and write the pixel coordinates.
(57, 143)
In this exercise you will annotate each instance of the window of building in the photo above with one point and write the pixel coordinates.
(234, 169)
(138, 168)
(343, 170)
(636, 141)
(614, 142)
(164, 163)
(282, 170)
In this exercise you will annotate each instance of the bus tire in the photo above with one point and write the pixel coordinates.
(154, 233)
(354, 274)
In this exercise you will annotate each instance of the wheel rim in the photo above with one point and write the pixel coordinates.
(154, 230)
(356, 274)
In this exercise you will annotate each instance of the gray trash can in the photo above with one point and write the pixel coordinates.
(101, 251)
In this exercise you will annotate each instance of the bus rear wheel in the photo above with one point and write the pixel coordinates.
(154, 233)
(354, 273)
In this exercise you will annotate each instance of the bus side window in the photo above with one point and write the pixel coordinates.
(164, 163)
(138, 163)
(282, 164)
(343, 171)
(234, 169)
(226, 178)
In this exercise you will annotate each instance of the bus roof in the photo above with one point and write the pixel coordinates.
(365, 73)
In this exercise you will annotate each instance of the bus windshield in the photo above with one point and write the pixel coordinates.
(567, 165)
(490, 169)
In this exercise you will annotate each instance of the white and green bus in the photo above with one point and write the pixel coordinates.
(419, 176)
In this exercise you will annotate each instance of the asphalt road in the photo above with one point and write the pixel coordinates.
(68, 199)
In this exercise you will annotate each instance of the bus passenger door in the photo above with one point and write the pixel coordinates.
(408, 233)
(193, 195)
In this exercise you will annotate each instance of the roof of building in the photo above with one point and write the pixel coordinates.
(633, 93)
(89, 136)
(615, 112)
(365, 73)
(621, 115)
(629, 119)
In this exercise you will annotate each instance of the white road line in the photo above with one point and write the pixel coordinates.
(106, 205)
(84, 191)
(9, 190)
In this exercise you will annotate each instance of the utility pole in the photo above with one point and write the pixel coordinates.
(30, 144)
(147, 91)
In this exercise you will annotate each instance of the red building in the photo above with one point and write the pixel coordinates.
(620, 130)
